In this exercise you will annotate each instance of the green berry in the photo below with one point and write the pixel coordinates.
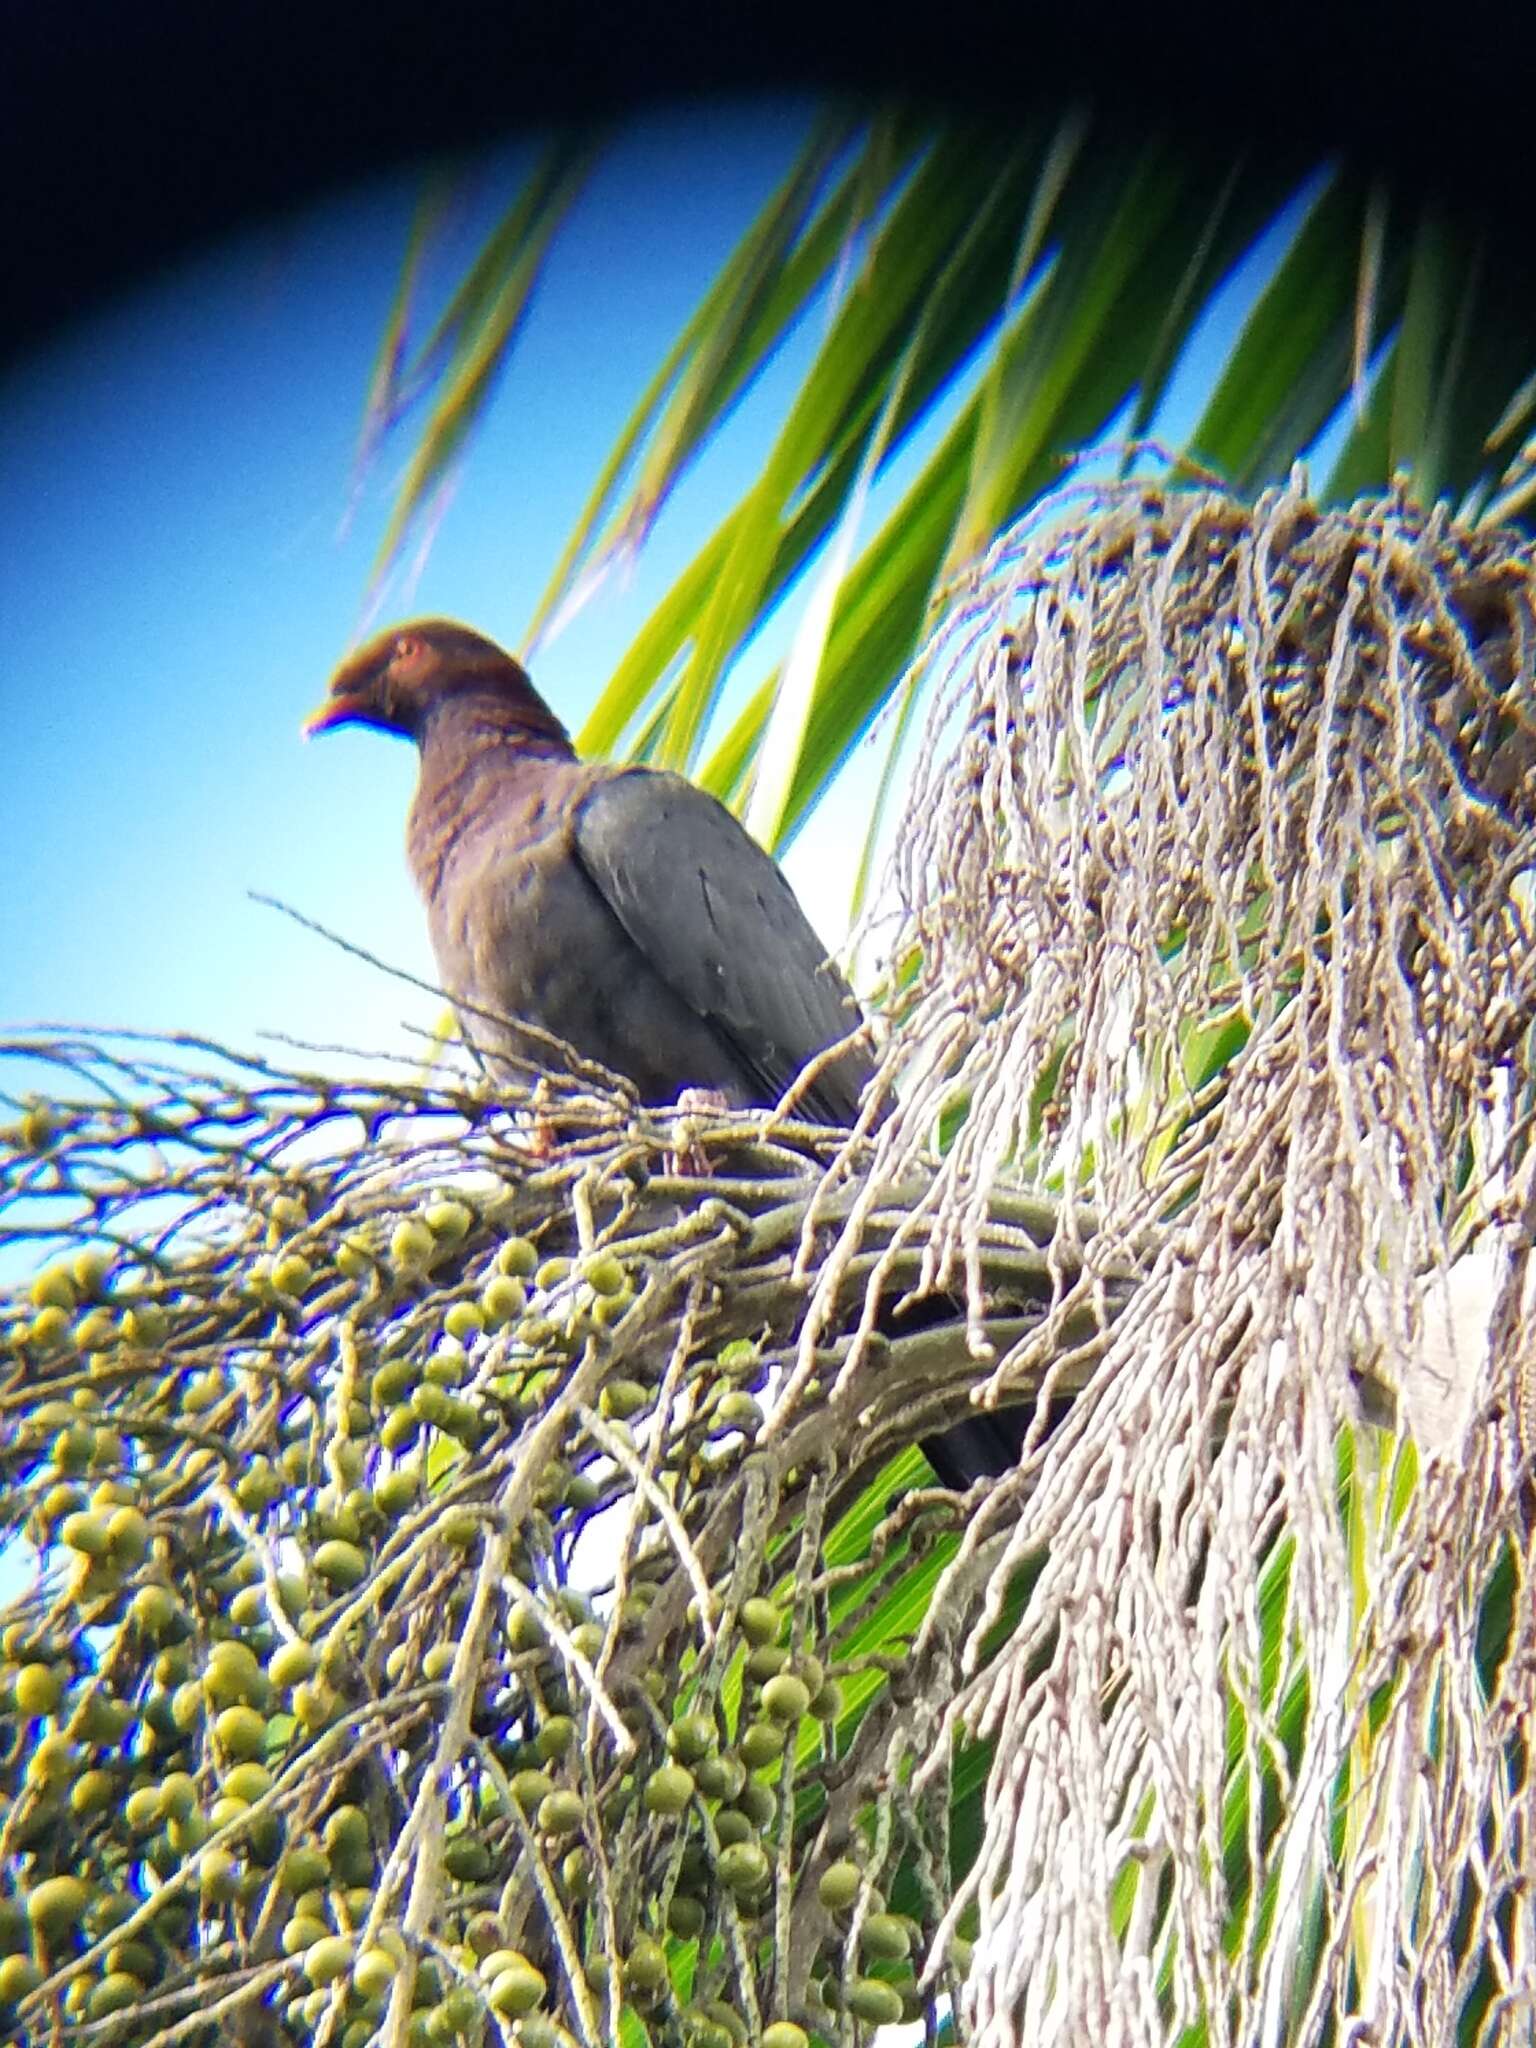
(669, 1790)
(886, 1937)
(341, 1564)
(516, 1990)
(38, 1689)
(328, 1959)
(876, 2003)
(839, 1886)
(56, 1905)
(786, 1697)
(744, 1868)
(760, 1621)
(241, 1732)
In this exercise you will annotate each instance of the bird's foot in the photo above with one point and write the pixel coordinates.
(689, 1158)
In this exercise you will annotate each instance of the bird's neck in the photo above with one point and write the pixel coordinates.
(475, 751)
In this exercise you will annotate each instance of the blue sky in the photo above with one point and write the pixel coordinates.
(179, 585)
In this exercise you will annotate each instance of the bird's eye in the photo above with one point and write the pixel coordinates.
(408, 648)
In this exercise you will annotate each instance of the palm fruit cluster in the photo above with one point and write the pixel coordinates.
(425, 1627)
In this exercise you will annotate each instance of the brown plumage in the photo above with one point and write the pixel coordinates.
(620, 909)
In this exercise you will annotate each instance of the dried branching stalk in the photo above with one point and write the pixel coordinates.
(1217, 881)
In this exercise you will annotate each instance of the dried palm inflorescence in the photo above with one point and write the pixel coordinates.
(1217, 872)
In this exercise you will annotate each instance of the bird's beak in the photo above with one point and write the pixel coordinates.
(338, 710)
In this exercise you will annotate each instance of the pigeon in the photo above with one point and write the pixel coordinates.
(620, 910)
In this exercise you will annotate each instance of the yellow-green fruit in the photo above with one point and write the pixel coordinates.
(292, 1275)
(373, 1973)
(767, 1661)
(555, 1736)
(303, 1930)
(353, 1258)
(449, 1221)
(115, 1993)
(48, 1329)
(503, 1300)
(241, 1732)
(89, 1269)
(96, 1331)
(141, 1809)
(411, 1245)
(449, 1364)
(233, 1675)
(178, 1792)
(720, 1777)
(397, 1432)
(437, 1662)
(341, 1564)
(516, 1989)
(760, 1621)
(71, 1452)
(53, 1761)
(744, 1868)
(645, 1967)
(218, 1875)
(304, 1870)
(467, 1858)
(604, 1274)
(248, 1609)
(690, 1737)
(91, 1792)
(669, 1790)
(346, 1831)
(460, 1528)
(552, 1272)
(18, 1976)
(622, 1398)
(685, 1917)
(38, 1689)
(784, 2034)
(37, 1127)
(326, 1960)
(288, 1213)
(839, 1885)
(153, 1609)
(145, 1325)
(464, 1321)
(127, 1536)
(758, 1803)
(561, 1812)
(732, 1825)
(886, 1937)
(530, 1787)
(876, 2003)
(53, 1288)
(828, 1703)
(517, 1257)
(786, 1697)
(739, 1411)
(55, 1906)
(761, 1743)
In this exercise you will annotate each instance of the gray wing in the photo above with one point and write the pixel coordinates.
(718, 922)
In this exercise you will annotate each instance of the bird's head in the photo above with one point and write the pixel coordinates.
(402, 675)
